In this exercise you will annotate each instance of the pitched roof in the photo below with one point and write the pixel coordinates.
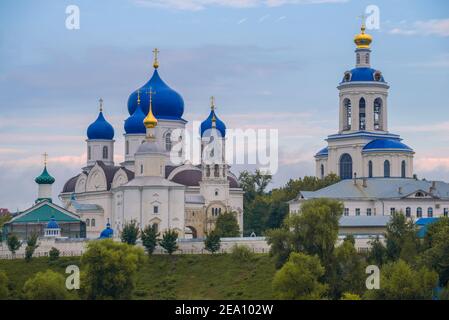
(43, 212)
(379, 188)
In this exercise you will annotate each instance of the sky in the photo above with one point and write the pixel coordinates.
(271, 64)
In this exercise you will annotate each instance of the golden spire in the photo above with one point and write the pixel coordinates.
(150, 120)
(45, 155)
(101, 104)
(212, 103)
(155, 61)
(363, 40)
(138, 96)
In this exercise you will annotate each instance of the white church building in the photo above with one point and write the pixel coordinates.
(375, 166)
(148, 187)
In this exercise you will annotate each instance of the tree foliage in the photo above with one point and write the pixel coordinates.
(227, 225)
(401, 235)
(149, 237)
(377, 254)
(110, 269)
(13, 243)
(130, 232)
(53, 254)
(212, 242)
(48, 285)
(399, 281)
(31, 247)
(299, 278)
(169, 241)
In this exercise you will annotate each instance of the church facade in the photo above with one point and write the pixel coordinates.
(148, 186)
(374, 165)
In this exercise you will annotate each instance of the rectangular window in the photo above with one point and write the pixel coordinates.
(368, 211)
(346, 212)
(392, 210)
(155, 209)
(446, 212)
(357, 211)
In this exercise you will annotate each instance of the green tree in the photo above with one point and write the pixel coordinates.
(280, 245)
(436, 255)
(212, 242)
(350, 296)
(378, 253)
(31, 247)
(48, 285)
(130, 232)
(3, 219)
(398, 281)
(227, 225)
(13, 243)
(169, 241)
(109, 269)
(53, 254)
(299, 278)
(348, 271)
(149, 237)
(401, 238)
(4, 289)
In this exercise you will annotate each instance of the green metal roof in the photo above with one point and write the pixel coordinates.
(43, 213)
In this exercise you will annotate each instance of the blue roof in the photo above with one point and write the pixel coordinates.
(423, 224)
(52, 224)
(107, 233)
(166, 102)
(386, 145)
(134, 123)
(363, 74)
(207, 124)
(100, 129)
(323, 152)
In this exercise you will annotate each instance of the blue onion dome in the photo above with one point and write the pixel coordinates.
(213, 121)
(52, 224)
(386, 145)
(45, 177)
(100, 129)
(107, 233)
(167, 103)
(134, 124)
(363, 74)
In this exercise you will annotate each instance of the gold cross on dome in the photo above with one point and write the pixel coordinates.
(212, 103)
(138, 96)
(363, 18)
(155, 61)
(101, 104)
(45, 155)
(150, 93)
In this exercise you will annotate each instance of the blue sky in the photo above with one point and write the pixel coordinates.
(270, 64)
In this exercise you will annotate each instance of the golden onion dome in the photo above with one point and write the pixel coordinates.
(150, 120)
(363, 40)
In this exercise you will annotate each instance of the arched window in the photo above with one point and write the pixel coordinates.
(105, 152)
(87, 222)
(141, 169)
(430, 212)
(408, 212)
(419, 212)
(362, 114)
(92, 222)
(345, 166)
(367, 58)
(347, 114)
(168, 141)
(224, 171)
(403, 167)
(208, 171)
(322, 171)
(216, 171)
(216, 192)
(127, 147)
(377, 114)
(155, 227)
(386, 169)
(370, 169)
(89, 153)
(358, 58)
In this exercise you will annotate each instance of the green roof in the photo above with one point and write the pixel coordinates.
(45, 178)
(43, 212)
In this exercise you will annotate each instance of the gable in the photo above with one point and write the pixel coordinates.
(42, 212)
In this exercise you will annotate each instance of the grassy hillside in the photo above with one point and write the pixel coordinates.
(176, 277)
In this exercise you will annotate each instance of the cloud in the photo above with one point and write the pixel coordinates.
(196, 5)
(438, 27)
